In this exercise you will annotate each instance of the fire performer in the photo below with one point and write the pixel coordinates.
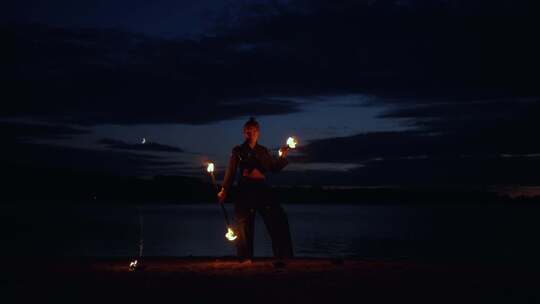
(254, 195)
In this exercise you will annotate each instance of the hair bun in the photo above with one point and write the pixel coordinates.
(252, 123)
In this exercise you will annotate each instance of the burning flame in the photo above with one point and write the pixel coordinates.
(133, 265)
(280, 152)
(291, 142)
(210, 167)
(230, 235)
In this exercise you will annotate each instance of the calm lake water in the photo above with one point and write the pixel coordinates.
(479, 233)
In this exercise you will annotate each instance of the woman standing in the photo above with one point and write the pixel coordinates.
(254, 194)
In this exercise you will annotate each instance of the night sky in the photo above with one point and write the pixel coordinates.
(377, 92)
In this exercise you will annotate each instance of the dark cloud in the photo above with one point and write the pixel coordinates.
(159, 17)
(92, 76)
(15, 132)
(445, 49)
(453, 142)
(433, 170)
(43, 156)
(448, 50)
(147, 146)
(458, 128)
(19, 151)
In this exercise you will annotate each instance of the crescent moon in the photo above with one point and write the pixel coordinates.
(143, 140)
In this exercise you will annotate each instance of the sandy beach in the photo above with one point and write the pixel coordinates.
(218, 280)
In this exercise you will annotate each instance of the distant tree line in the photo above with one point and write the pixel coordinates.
(67, 186)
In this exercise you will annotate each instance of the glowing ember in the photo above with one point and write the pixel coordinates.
(291, 142)
(280, 153)
(230, 234)
(133, 265)
(210, 167)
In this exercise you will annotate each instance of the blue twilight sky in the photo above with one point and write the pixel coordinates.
(377, 92)
(319, 117)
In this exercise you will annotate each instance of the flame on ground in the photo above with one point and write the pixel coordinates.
(133, 265)
(230, 235)
(291, 142)
(210, 167)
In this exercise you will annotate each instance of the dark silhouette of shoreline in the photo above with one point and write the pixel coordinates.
(64, 185)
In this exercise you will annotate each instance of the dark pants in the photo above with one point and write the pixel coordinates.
(255, 197)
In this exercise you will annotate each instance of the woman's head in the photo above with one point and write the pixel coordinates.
(251, 130)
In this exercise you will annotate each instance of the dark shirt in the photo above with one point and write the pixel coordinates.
(245, 158)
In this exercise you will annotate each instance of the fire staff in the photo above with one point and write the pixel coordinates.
(254, 161)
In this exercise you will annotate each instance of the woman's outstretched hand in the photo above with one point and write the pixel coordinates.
(283, 152)
(221, 196)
